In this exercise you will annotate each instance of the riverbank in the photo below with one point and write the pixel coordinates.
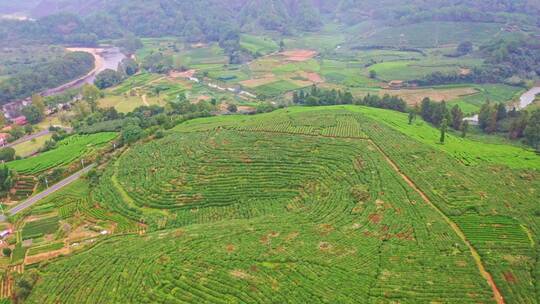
(104, 58)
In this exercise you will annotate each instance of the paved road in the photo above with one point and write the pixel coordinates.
(28, 138)
(31, 201)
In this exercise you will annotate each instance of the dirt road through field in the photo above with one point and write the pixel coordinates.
(487, 276)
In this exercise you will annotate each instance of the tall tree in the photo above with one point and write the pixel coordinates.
(426, 109)
(91, 94)
(501, 111)
(412, 116)
(457, 117)
(444, 127)
(485, 115)
(464, 128)
(33, 114)
(6, 178)
(38, 102)
(532, 131)
(492, 123)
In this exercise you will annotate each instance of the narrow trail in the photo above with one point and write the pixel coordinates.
(144, 100)
(487, 276)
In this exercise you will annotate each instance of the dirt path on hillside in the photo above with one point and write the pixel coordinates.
(487, 276)
(145, 102)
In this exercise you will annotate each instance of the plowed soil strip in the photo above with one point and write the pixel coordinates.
(487, 276)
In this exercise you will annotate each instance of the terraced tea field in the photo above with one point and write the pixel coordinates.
(67, 151)
(318, 205)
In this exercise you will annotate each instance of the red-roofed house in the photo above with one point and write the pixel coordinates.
(21, 120)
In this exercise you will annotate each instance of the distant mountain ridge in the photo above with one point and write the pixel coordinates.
(84, 21)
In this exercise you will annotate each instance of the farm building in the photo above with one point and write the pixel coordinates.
(21, 120)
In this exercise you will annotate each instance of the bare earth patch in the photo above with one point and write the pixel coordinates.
(314, 77)
(252, 83)
(46, 256)
(239, 274)
(185, 74)
(299, 55)
(415, 96)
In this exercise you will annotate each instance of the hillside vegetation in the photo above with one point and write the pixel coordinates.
(307, 204)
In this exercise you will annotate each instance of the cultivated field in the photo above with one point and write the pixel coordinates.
(253, 207)
(67, 151)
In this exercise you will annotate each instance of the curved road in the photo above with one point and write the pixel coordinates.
(27, 138)
(34, 199)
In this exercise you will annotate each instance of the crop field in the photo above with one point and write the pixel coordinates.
(135, 81)
(122, 104)
(67, 151)
(162, 44)
(40, 227)
(417, 69)
(345, 73)
(276, 88)
(248, 208)
(24, 187)
(258, 44)
(370, 56)
(199, 58)
(328, 40)
(430, 34)
(467, 151)
(45, 248)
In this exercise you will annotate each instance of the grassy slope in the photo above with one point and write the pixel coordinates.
(463, 149)
(468, 151)
(30, 147)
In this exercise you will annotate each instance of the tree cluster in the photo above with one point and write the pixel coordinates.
(494, 117)
(46, 76)
(319, 97)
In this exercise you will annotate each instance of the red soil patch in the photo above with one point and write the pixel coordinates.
(314, 77)
(299, 55)
(185, 74)
(326, 229)
(375, 218)
(264, 240)
(509, 277)
(46, 256)
(230, 248)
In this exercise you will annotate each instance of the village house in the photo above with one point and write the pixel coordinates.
(21, 120)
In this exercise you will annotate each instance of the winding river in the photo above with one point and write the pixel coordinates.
(104, 58)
